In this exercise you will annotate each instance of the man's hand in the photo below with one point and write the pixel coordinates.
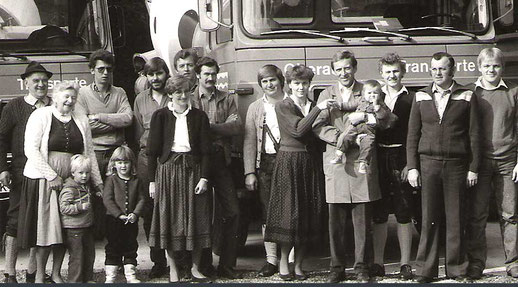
(201, 187)
(231, 118)
(251, 182)
(5, 178)
(471, 179)
(515, 173)
(356, 118)
(152, 190)
(327, 104)
(414, 178)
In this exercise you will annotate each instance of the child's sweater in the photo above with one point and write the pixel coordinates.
(123, 196)
(70, 205)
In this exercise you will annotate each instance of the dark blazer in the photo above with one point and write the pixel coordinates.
(114, 196)
(456, 136)
(161, 137)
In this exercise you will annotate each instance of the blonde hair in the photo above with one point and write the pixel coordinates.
(79, 161)
(122, 153)
(490, 53)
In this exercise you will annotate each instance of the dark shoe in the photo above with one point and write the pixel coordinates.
(301, 277)
(363, 276)
(406, 272)
(10, 278)
(158, 271)
(513, 272)
(31, 277)
(377, 270)
(228, 272)
(423, 279)
(474, 273)
(208, 271)
(267, 270)
(286, 277)
(200, 280)
(336, 277)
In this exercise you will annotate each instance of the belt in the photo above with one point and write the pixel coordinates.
(390, 145)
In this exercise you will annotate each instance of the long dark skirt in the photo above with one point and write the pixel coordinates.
(181, 219)
(296, 213)
(39, 221)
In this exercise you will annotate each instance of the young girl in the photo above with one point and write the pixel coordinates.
(77, 219)
(124, 204)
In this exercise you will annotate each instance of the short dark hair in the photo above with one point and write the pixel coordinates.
(206, 61)
(270, 71)
(154, 65)
(184, 54)
(299, 72)
(345, 54)
(392, 59)
(101, 55)
(439, 55)
(178, 83)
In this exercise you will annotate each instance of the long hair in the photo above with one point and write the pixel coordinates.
(122, 153)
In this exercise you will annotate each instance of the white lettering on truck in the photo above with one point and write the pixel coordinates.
(52, 83)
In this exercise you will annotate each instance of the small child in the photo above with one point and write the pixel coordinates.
(77, 219)
(363, 134)
(124, 203)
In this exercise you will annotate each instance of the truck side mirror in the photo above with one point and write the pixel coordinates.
(505, 12)
(210, 15)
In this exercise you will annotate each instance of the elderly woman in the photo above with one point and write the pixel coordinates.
(178, 160)
(296, 199)
(52, 136)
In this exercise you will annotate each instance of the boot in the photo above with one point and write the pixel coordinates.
(111, 273)
(130, 271)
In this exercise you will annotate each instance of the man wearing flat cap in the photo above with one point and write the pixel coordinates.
(12, 130)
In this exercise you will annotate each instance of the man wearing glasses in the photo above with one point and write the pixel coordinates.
(107, 107)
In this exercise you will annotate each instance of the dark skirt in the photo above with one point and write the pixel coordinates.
(296, 214)
(181, 219)
(39, 222)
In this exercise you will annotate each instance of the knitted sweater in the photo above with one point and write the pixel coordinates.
(114, 115)
(71, 198)
(37, 140)
(12, 132)
(456, 136)
(123, 196)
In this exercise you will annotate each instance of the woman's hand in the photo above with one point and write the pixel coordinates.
(56, 183)
(201, 187)
(329, 103)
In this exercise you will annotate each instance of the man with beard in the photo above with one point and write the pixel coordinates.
(12, 133)
(225, 123)
(146, 103)
(184, 62)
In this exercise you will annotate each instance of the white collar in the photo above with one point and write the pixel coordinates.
(342, 87)
(384, 89)
(176, 114)
(266, 101)
(478, 84)
(32, 100)
(436, 88)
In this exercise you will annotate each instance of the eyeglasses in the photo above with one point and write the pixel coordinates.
(101, 70)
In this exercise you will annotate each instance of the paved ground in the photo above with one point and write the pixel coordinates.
(251, 260)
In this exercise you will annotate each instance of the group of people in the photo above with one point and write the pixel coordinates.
(359, 150)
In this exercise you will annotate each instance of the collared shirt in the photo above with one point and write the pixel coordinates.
(304, 109)
(391, 99)
(104, 97)
(346, 92)
(144, 107)
(479, 84)
(208, 105)
(181, 133)
(441, 98)
(273, 125)
(33, 101)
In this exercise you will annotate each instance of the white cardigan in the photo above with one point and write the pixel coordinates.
(37, 142)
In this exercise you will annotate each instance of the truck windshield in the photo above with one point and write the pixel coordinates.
(51, 25)
(386, 15)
